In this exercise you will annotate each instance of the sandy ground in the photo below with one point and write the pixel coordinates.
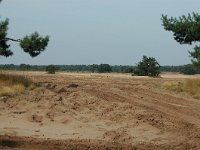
(93, 111)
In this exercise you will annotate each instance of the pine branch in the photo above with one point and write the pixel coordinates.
(15, 40)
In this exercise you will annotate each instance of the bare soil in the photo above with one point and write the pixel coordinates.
(99, 111)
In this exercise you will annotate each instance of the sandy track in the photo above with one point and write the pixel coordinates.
(102, 110)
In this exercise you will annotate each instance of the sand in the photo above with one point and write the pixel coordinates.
(98, 111)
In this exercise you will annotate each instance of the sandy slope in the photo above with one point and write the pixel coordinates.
(97, 111)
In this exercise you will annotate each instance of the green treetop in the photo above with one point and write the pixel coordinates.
(33, 44)
(186, 30)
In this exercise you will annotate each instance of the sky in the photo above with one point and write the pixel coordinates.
(115, 32)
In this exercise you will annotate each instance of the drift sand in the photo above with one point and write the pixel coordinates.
(108, 111)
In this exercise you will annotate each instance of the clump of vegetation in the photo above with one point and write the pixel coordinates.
(189, 86)
(147, 67)
(51, 69)
(11, 85)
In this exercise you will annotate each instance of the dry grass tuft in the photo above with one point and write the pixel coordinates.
(11, 84)
(192, 86)
(189, 86)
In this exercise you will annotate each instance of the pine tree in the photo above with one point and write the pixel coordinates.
(147, 67)
(33, 44)
(186, 30)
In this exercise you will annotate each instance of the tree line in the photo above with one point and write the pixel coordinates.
(71, 68)
(184, 69)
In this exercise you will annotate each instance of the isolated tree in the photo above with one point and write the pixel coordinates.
(147, 67)
(186, 30)
(33, 44)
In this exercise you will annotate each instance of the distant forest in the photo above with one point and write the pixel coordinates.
(185, 69)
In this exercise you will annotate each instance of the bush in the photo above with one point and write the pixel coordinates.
(51, 69)
(147, 67)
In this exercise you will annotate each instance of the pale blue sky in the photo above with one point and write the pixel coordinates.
(97, 31)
